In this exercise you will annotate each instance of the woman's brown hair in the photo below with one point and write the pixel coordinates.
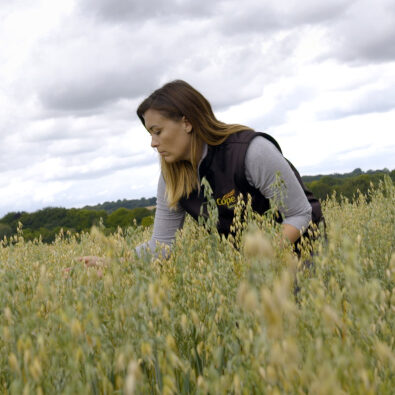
(175, 100)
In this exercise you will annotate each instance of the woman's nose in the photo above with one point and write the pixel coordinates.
(154, 141)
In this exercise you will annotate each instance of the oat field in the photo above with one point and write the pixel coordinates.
(211, 319)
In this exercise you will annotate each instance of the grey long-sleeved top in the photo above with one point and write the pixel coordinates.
(262, 162)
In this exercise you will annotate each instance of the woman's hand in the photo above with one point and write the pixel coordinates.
(97, 262)
(93, 261)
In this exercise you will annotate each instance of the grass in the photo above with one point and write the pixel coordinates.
(211, 318)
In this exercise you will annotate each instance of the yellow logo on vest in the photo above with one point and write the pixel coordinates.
(228, 200)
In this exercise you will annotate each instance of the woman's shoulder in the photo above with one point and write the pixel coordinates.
(241, 136)
(254, 140)
(261, 143)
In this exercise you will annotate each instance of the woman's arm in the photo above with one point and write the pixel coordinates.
(166, 222)
(290, 233)
(263, 161)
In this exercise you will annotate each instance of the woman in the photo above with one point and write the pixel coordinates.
(193, 144)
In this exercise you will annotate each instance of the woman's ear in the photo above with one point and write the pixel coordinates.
(187, 125)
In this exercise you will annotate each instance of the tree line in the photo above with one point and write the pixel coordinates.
(124, 203)
(347, 185)
(48, 222)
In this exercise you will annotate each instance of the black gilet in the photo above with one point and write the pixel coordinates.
(224, 169)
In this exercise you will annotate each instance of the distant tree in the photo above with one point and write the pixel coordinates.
(356, 172)
(124, 213)
(12, 219)
(320, 189)
(122, 217)
(329, 180)
(5, 230)
(140, 212)
(347, 186)
(354, 184)
(110, 207)
(147, 221)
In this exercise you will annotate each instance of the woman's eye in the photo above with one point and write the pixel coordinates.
(157, 132)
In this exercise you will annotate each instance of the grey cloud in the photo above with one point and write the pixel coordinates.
(115, 64)
(87, 131)
(226, 95)
(244, 72)
(93, 88)
(374, 101)
(85, 67)
(377, 160)
(231, 17)
(15, 152)
(27, 148)
(248, 20)
(98, 89)
(77, 150)
(285, 103)
(378, 48)
(81, 174)
(276, 16)
(356, 31)
(54, 129)
(110, 187)
(314, 12)
(103, 66)
(138, 11)
(356, 148)
(365, 34)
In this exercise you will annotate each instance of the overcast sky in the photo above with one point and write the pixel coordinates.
(317, 75)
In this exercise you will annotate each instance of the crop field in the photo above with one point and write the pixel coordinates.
(210, 319)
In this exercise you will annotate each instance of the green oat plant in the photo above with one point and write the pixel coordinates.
(219, 316)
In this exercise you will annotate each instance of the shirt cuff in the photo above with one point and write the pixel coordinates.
(300, 222)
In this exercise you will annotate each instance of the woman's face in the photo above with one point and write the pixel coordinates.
(171, 138)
